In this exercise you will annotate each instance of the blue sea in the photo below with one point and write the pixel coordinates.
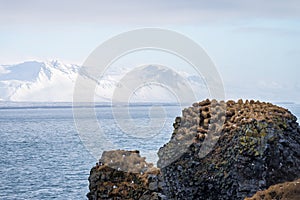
(42, 155)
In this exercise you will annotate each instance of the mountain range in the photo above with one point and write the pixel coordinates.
(53, 81)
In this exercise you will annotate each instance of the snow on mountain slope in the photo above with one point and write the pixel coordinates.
(53, 81)
(37, 81)
(157, 83)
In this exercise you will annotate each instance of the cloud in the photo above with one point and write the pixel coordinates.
(142, 11)
(279, 31)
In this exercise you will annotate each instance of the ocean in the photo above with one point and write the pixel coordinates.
(42, 155)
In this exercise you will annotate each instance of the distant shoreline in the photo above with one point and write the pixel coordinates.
(67, 105)
(284, 102)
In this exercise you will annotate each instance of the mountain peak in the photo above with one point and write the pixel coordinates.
(37, 81)
(53, 80)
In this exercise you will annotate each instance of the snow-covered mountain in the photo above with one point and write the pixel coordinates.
(37, 81)
(53, 81)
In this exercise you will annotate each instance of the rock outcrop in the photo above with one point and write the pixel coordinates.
(258, 145)
(124, 175)
(284, 191)
(218, 150)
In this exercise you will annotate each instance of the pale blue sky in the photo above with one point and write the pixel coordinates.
(254, 43)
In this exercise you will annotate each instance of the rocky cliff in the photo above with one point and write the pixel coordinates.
(257, 146)
(218, 150)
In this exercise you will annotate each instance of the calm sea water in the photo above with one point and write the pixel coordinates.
(43, 157)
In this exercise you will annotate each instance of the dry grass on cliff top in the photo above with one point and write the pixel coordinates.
(282, 191)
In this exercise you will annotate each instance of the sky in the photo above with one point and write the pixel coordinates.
(253, 43)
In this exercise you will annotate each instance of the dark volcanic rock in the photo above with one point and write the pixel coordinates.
(284, 191)
(124, 175)
(230, 151)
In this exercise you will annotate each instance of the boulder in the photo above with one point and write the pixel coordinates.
(122, 175)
